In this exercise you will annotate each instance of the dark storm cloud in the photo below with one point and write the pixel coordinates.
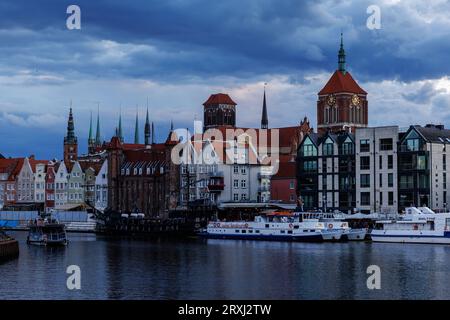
(199, 38)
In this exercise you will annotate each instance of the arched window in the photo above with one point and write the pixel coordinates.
(335, 114)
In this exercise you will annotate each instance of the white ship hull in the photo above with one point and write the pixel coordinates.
(332, 235)
(357, 234)
(411, 237)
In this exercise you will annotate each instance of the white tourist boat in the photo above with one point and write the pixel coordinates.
(417, 225)
(274, 226)
(334, 229)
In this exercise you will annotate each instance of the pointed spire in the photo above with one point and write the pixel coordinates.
(153, 133)
(171, 125)
(341, 56)
(136, 129)
(264, 118)
(90, 139)
(97, 135)
(147, 132)
(70, 137)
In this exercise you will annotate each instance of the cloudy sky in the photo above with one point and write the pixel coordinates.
(177, 52)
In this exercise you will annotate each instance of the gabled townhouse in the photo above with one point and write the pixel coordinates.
(25, 183)
(9, 169)
(216, 171)
(75, 185)
(101, 187)
(50, 176)
(61, 180)
(39, 172)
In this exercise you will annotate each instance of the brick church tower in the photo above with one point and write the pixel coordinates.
(70, 142)
(342, 103)
(219, 110)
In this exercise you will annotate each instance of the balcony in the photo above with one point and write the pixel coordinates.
(406, 148)
(217, 187)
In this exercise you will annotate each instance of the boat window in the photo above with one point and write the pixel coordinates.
(244, 231)
(282, 231)
(290, 231)
(267, 225)
(296, 227)
(237, 231)
(312, 230)
(256, 231)
(250, 231)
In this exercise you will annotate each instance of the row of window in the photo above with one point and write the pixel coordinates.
(308, 149)
(139, 171)
(364, 162)
(364, 181)
(385, 144)
(365, 199)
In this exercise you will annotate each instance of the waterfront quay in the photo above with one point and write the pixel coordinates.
(194, 268)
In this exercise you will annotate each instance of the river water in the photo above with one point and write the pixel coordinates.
(225, 269)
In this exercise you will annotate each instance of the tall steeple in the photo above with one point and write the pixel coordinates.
(136, 129)
(119, 128)
(147, 132)
(70, 137)
(264, 119)
(341, 56)
(91, 138)
(97, 135)
(70, 140)
(171, 125)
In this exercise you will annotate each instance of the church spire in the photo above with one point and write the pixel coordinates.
(264, 119)
(119, 128)
(341, 56)
(90, 139)
(70, 138)
(147, 132)
(97, 134)
(136, 129)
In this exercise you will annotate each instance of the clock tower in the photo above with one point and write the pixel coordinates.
(342, 103)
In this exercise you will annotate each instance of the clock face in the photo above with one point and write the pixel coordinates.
(331, 100)
(355, 100)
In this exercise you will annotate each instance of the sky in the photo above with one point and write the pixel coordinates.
(175, 53)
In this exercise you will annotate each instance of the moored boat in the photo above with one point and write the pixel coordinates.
(275, 226)
(47, 232)
(334, 228)
(417, 225)
(357, 234)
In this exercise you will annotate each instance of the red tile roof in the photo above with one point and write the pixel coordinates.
(287, 135)
(11, 166)
(340, 82)
(219, 98)
(33, 163)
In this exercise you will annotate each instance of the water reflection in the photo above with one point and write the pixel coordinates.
(223, 269)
